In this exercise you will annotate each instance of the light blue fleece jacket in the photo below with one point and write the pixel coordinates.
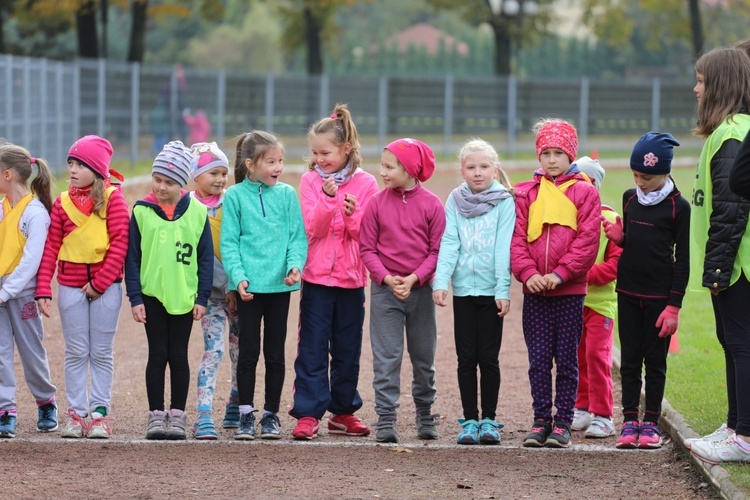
(262, 236)
(475, 253)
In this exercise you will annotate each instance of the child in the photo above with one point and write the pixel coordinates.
(594, 404)
(209, 170)
(332, 304)
(88, 239)
(475, 259)
(24, 222)
(651, 279)
(198, 125)
(720, 249)
(168, 274)
(399, 242)
(554, 245)
(263, 248)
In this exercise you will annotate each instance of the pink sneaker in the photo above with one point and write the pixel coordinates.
(349, 425)
(650, 437)
(306, 428)
(629, 435)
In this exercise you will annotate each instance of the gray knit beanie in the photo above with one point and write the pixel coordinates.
(174, 162)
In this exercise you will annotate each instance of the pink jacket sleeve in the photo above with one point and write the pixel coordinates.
(369, 232)
(581, 254)
(522, 264)
(354, 221)
(317, 207)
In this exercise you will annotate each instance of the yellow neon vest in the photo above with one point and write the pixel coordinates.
(215, 223)
(12, 239)
(89, 241)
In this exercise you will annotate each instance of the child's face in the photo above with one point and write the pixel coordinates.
(649, 183)
(554, 161)
(327, 154)
(268, 168)
(393, 174)
(166, 190)
(700, 86)
(80, 176)
(478, 171)
(211, 182)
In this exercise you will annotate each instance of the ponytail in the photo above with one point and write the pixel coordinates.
(18, 159)
(41, 186)
(343, 130)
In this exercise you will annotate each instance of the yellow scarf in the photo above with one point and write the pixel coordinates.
(89, 241)
(551, 207)
(12, 240)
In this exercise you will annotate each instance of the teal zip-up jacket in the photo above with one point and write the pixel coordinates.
(475, 253)
(262, 236)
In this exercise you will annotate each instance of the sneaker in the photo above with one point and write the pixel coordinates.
(246, 428)
(270, 427)
(157, 425)
(306, 428)
(348, 425)
(559, 437)
(427, 426)
(203, 427)
(489, 431)
(47, 418)
(600, 427)
(99, 428)
(650, 437)
(719, 434)
(629, 435)
(385, 431)
(231, 416)
(7, 425)
(76, 427)
(717, 452)
(469, 431)
(176, 425)
(540, 431)
(581, 420)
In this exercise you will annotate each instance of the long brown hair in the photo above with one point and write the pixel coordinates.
(18, 159)
(726, 91)
(343, 130)
(252, 146)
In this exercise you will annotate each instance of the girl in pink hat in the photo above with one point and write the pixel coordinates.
(399, 242)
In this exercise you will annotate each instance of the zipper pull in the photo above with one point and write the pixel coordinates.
(403, 197)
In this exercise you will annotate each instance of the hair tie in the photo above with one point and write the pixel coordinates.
(32, 160)
(334, 116)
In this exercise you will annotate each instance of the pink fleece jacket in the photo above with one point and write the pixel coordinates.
(333, 237)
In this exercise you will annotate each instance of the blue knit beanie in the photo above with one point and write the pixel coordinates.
(653, 153)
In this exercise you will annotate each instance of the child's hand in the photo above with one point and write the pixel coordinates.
(668, 321)
(91, 294)
(139, 313)
(242, 290)
(503, 307)
(45, 306)
(350, 203)
(329, 187)
(536, 283)
(402, 288)
(551, 281)
(232, 301)
(293, 277)
(198, 312)
(439, 296)
(613, 231)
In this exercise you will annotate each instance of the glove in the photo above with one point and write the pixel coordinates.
(613, 230)
(668, 321)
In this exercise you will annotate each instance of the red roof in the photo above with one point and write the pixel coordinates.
(428, 37)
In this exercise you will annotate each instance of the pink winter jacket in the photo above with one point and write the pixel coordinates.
(560, 249)
(333, 237)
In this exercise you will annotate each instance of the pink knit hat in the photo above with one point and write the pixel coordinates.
(416, 157)
(94, 152)
(560, 135)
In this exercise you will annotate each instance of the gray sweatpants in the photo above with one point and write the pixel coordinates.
(21, 322)
(89, 332)
(388, 317)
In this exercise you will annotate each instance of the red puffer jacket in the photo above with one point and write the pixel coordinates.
(560, 250)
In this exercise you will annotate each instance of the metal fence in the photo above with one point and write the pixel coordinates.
(48, 105)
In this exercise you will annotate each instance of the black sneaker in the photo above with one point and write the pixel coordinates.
(270, 427)
(540, 430)
(559, 437)
(246, 429)
(427, 426)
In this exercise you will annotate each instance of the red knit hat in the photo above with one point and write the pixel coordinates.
(94, 152)
(416, 157)
(557, 134)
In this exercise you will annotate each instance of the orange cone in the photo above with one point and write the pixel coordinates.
(674, 344)
(594, 154)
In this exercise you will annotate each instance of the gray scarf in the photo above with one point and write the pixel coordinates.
(472, 205)
(340, 177)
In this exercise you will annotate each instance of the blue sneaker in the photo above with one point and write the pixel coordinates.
(489, 431)
(232, 416)
(469, 431)
(246, 429)
(203, 428)
(47, 418)
(270, 427)
(7, 425)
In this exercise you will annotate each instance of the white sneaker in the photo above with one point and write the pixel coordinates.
(600, 427)
(76, 427)
(581, 420)
(719, 434)
(716, 452)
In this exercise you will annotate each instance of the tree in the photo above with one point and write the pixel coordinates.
(88, 41)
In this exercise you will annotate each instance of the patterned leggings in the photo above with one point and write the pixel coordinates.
(214, 346)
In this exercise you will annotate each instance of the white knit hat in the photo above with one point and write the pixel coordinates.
(206, 155)
(592, 169)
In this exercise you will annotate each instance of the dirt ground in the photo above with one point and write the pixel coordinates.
(332, 466)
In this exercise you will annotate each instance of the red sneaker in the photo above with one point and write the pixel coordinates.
(348, 425)
(306, 428)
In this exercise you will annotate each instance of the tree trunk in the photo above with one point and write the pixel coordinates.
(503, 53)
(696, 27)
(312, 35)
(88, 43)
(138, 31)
